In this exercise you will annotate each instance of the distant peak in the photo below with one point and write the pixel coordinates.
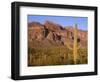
(34, 24)
(52, 25)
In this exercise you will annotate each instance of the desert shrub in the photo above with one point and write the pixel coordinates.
(60, 55)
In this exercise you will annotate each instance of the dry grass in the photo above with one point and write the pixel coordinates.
(60, 55)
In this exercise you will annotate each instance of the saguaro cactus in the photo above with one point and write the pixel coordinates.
(75, 45)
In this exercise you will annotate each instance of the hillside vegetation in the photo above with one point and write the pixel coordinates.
(52, 44)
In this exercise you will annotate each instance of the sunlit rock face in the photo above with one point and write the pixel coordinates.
(54, 34)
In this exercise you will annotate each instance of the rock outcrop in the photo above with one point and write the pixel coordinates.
(54, 34)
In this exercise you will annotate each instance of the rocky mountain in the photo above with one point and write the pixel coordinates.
(52, 34)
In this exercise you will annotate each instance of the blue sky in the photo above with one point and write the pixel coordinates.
(62, 20)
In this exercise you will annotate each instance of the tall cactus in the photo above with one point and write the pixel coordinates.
(75, 45)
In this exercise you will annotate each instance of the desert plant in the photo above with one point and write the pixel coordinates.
(75, 45)
(57, 55)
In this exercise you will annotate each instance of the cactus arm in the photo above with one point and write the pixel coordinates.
(69, 46)
(79, 46)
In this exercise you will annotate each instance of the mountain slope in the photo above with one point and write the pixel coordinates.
(51, 33)
(48, 45)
